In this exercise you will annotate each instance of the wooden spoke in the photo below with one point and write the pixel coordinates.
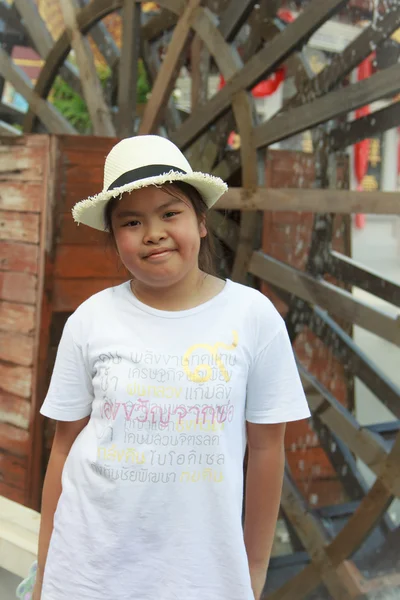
(234, 16)
(351, 355)
(308, 200)
(128, 68)
(104, 41)
(46, 112)
(42, 39)
(368, 126)
(349, 271)
(334, 299)
(331, 106)
(260, 65)
(342, 64)
(169, 70)
(98, 110)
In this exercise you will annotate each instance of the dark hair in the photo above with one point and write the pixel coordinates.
(207, 245)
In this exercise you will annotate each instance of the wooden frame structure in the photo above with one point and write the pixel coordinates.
(312, 300)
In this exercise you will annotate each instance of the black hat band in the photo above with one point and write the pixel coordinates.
(143, 173)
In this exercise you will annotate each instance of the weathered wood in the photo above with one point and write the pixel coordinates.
(99, 113)
(18, 257)
(356, 361)
(99, 262)
(16, 348)
(71, 233)
(309, 200)
(21, 160)
(17, 287)
(12, 470)
(17, 318)
(104, 41)
(14, 410)
(377, 122)
(128, 67)
(224, 228)
(342, 64)
(311, 532)
(200, 63)
(365, 445)
(234, 17)
(69, 293)
(260, 65)
(13, 439)
(18, 226)
(337, 103)
(349, 271)
(42, 40)
(168, 73)
(50, 117)
(336, 300)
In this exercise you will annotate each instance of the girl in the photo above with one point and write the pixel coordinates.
(158, 385)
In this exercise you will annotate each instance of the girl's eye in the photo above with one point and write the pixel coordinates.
(132, 224)
(170, 214)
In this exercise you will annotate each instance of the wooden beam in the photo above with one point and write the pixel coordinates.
(309, 200)
(260, 65)
(6, 129)
(342, 64)
(337, 301)
(331, 106)
(363, 443)
(42, 40)
(104, 41)
(234, 17)
(351, 272)
(169, 70)
(99, 113)
(354, 131)
(128, 68)
(50, 117)
(353, 358)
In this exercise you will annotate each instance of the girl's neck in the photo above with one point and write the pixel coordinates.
(195, 289)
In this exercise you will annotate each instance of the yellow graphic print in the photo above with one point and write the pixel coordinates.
(197, 375)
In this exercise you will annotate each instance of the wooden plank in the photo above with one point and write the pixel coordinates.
(15, 256)
(356, 361)
(234, 16)
(19, 227)
(71, 233)
(310, 200)
(350, 271)
(13, 493)
(336, 103)
(96, 262)
(16, 380)
(354, 131)
(364, 444)
(14, 410)
(42, 40)
(20, 162)
(13, 440)
(18, 318)
(342, 64)
(70, 293)
(128, 68)
(169, 70)
(261, 65)
(18, 287)
(16, 348)
(99, 112)
(12, 470)
(104, 41)
(21, 196)
(200, 70)
(329, 297)
(46, 112)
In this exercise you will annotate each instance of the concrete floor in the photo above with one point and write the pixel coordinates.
(378, 247)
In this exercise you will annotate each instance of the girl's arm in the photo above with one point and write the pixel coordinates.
(66, 434)
(266, 460)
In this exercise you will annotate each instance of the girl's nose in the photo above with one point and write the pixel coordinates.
(154, 234)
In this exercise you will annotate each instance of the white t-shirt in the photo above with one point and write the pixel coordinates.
(152, 488)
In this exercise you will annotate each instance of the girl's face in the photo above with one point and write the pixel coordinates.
(157, 235)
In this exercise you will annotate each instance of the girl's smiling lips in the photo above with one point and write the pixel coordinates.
(158, 254)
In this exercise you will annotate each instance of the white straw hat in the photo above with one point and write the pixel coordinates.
(138, 162)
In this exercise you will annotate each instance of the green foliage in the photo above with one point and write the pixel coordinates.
(73, 107)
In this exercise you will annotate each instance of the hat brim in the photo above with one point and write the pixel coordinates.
(91, 211)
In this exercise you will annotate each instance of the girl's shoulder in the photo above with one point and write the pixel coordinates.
(253, 301)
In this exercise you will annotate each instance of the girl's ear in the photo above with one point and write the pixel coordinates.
(202, 227)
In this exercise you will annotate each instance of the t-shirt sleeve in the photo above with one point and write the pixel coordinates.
(274, 390)
(70, 394)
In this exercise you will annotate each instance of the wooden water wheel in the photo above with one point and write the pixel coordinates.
(334, 548)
